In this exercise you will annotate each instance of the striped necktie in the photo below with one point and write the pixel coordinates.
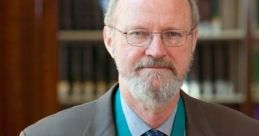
(153, 132)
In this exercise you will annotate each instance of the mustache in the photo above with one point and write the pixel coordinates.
(155, 62)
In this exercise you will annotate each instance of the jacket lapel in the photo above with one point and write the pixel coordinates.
(102, 123)
(197, 124)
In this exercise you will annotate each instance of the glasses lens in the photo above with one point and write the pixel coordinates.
(138, 37)
(173, 38)
(142, 38)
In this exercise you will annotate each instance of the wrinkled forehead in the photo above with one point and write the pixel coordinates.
(154, 13)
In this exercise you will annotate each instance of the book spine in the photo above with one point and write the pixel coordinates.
(193, 78)
(76, 67)
(64, 84)
(221, 71)
(113, 73)
(65, 14)
(255, 64)
(230, 18)
(88, 72)
(101, 66)
(232, 78)
(97, 15)
(82, 14)
(206, 64)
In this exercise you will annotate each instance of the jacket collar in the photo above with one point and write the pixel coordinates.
(197, 123)
(103, 125)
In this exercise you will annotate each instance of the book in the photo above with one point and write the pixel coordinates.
(255, 67)
(88, 71)
(256, 111)
(112, 72)
(222, 85)
(257, 14)
(233, 66)
(64, 84)
(82, 14)
(207, 71)
(230, 11)
(76, 72)
(193, 78)
(210, 19)
(97, 15)
(204, 10)
(101, 59)
(65, 14)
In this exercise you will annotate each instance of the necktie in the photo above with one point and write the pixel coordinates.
(153, 132)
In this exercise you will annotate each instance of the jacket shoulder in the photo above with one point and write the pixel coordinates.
(224, 120)
(68, 122)
(221, 119)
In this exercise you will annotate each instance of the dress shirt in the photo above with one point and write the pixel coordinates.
(137, 126)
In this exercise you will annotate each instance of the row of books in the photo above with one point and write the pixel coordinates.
(215, 15)
(80, 14)
(257, 13)
(256, 111)
(215, 71)
(255, 70)
(88, 14)
(87, 71)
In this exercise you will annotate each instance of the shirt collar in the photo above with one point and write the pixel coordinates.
(137, 126)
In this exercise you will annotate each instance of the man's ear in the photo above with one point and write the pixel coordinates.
(107, 37)
(194, 39)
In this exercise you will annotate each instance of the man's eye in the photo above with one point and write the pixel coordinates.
(138, 34)
(173, 34)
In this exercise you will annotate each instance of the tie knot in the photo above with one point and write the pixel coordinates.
(153, 132)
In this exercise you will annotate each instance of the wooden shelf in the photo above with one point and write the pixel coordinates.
(222, 35)
(96, 35)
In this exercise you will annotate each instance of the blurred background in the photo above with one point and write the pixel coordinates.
(52, 57)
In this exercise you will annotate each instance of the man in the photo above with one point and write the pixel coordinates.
(152, 43)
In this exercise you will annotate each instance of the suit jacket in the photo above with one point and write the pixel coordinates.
(96, 119)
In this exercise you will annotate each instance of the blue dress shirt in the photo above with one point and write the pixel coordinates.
(137, 126)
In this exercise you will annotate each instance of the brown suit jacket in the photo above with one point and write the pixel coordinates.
(96, 119)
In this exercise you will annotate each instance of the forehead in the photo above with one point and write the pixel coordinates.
(154, 13)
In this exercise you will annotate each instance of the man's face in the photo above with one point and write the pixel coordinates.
(153, 73)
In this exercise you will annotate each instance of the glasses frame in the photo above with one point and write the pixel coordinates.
(186, 34)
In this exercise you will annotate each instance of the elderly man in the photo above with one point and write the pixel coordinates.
(152, 43)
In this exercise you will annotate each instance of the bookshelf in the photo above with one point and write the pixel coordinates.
(255, 56)
(222, 35)
(80, 35)
(29, 75)
(96, 35)
(222, 32)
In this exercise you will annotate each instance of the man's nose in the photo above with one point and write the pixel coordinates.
(156, 49)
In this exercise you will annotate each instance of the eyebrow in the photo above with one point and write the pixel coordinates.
(145, 27)
(136, 27)
(174, 28)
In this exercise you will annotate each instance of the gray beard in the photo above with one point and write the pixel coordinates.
(143, 88)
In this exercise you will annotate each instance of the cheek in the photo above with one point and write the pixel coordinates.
(181, 59)
(127, 58)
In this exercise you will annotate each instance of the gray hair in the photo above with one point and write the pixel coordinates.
(113, 3)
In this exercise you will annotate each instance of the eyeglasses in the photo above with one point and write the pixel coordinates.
(142, 38)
